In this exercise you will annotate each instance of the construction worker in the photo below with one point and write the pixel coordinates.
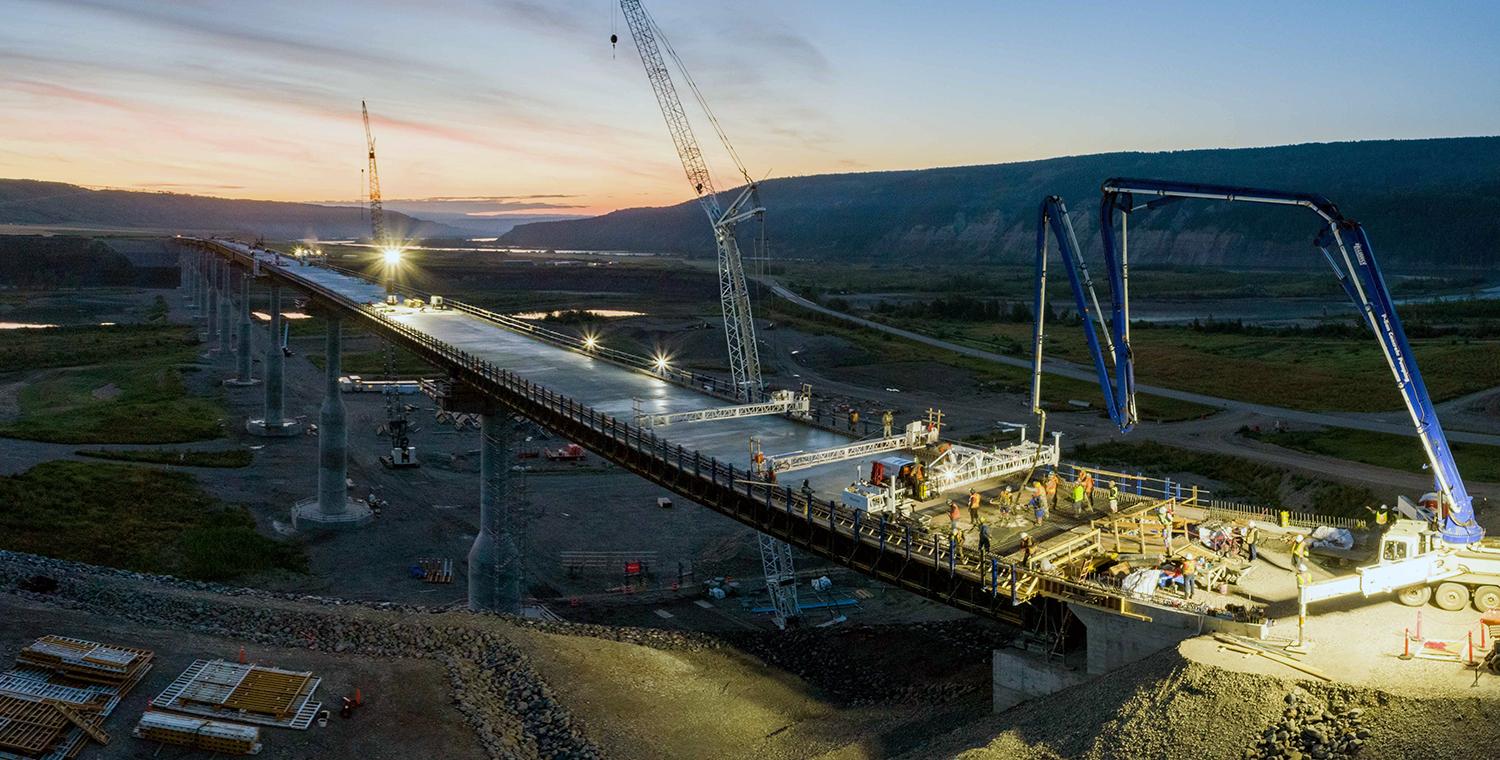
(1382, 516)
(886, 421)
(1078, 496)
(1087, 478)
(1299, 549)
(1164, 516)
(1189, 574)
(1027, 545)
(984, 540)
(952, 516)
(1304, 578)
(1052, 482)
(973, 506)
(957, 537)
(1252, 535)
(853, 420)
(1038, 509)
(1114, 496)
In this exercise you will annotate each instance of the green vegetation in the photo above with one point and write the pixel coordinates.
(1295, 370)
(139, 396)
(185, 458)
(1243, 480)
(371, 364)
(135, 518)
(79, 346)
(996, 377)
(1475, 461)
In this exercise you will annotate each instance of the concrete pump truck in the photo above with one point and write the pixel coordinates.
(1437, 551)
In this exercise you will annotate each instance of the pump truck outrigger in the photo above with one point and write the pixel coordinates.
(1447, 558)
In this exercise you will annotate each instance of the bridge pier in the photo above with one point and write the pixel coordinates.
(243, 354)
(332, 507)
(274, 423)
(211, 314)
(494, 560)
(197, 283)
(225, 304)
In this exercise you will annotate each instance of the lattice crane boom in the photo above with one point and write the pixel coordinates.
(734, 294)
(377, 212)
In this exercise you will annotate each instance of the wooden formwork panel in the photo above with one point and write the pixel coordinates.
(272, 692)
(29, 726)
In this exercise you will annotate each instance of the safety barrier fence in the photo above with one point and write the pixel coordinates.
(899, 552)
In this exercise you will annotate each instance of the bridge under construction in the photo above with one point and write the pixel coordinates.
(498, 366)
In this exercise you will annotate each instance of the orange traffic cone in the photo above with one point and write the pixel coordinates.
(243, 660)
(359, 699)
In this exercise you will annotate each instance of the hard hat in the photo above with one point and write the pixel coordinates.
(1024, 535)
(1299, 537)
(1301, 567)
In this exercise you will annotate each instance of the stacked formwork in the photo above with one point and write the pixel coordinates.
(56, 700)
(198, 733)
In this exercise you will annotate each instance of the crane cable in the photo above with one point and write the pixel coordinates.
(698, 96)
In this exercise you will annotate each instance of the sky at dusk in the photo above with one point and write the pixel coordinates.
(512, 106)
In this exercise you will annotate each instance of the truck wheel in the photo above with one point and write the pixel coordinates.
(1414, 596)
(1486, 598)
(1451, 596)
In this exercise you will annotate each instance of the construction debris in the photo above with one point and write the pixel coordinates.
(433, 570)
(198, 733)
(56, 699)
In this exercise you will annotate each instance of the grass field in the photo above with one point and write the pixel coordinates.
(1245, 481)
(371, 364)
(1302, 372)
(1475, 461)
(136, 518)
(136, 394)
(184, 458)
(79, 346)
(997, 377)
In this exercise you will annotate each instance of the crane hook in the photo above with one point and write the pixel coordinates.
(614, 39)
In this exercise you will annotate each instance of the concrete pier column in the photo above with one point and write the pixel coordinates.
(242, 357)
(332, 507)
(225, 304)
(211, 315)
(274, 423)
(333, 433)
(197, 285)
(494, 561)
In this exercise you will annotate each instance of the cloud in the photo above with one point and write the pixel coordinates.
(553, 17)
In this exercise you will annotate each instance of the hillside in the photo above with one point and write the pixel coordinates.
(1424, 201)
(55, 204)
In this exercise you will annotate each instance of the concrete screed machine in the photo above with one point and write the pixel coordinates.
(1436, 551)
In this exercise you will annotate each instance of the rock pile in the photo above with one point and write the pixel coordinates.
(1312, 728)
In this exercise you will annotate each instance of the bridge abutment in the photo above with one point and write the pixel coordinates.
(1111, 642)
(332, 508)
(494, 560)
(274, 423)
